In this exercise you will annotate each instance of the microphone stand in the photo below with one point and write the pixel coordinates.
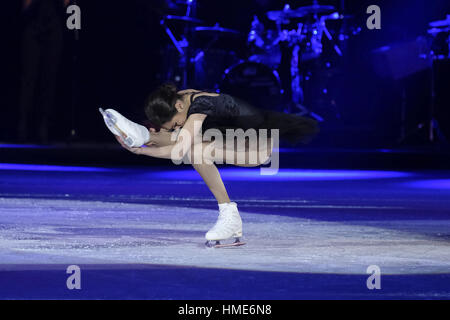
(75, 81)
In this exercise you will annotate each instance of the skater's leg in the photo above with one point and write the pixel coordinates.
(203, 162)
(210, 174)
(207, 170)
(229, 223)
(248, 156)
(252, 157)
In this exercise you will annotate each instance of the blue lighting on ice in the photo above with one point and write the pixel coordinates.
(226, 173)
(41, 167)
(23, 146)
(439, 184)
(283, 174)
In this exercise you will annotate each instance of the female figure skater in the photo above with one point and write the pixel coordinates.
(190, 113)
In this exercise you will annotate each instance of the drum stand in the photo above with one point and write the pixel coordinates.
(297, 91)
(183, 46)
(433, 131)
(75, 90)
(180, 46)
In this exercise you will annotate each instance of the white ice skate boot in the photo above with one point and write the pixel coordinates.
(228, 225)
(133, 134)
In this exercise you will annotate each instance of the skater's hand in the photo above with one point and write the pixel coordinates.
(131, 149)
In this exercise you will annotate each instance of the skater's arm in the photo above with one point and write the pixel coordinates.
(188, 136)
(187, 91)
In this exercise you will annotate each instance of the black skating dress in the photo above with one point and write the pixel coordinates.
(226, 112)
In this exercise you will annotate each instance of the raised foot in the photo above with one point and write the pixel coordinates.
(111, 122)
(217, 244)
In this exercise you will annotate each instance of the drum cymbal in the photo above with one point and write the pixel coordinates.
(299, 12)
(441, 23)
(312, 9)
(278, 15)
(217, 29)
(183, 19)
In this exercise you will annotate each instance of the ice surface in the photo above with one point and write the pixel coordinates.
(64, 231)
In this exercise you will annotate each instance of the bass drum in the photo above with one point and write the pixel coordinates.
(255, 83)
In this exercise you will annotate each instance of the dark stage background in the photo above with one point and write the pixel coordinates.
(122, 54)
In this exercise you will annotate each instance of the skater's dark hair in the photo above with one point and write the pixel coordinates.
(160, 105)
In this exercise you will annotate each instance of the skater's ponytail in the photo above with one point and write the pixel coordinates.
(160, 105)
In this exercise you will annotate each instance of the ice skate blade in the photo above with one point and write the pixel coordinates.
(110, 121)
(217, 244)
(109, 118)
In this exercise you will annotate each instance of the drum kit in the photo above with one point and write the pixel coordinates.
(271, 70)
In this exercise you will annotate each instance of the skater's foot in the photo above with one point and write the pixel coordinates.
(228, 225)
(133, 134)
